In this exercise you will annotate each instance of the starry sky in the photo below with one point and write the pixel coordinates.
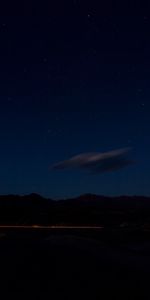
(73, 80)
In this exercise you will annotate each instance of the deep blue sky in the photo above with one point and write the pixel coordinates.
(74, 80)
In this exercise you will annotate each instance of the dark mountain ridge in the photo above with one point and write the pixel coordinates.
(86, 209)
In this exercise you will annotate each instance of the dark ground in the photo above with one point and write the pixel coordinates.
(67, 265)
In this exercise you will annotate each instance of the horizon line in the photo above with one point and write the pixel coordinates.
(74, 197)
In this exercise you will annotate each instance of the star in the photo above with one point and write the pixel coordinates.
(44, 59)
(129, 141)
(139, 92)
(9, 99)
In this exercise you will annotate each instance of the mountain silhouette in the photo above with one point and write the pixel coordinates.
(87, 209)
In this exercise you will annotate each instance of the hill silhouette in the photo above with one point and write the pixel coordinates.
(86, 209)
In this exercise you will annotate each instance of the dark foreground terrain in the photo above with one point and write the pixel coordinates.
(61, 264)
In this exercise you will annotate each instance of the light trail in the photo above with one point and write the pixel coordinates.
(48, 227)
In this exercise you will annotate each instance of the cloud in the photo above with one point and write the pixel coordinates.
(97, 162)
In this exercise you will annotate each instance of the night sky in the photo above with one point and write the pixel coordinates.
(72, 81)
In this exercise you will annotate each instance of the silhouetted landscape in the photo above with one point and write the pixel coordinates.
(70, 262)
(88, 209)
(46, 251)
